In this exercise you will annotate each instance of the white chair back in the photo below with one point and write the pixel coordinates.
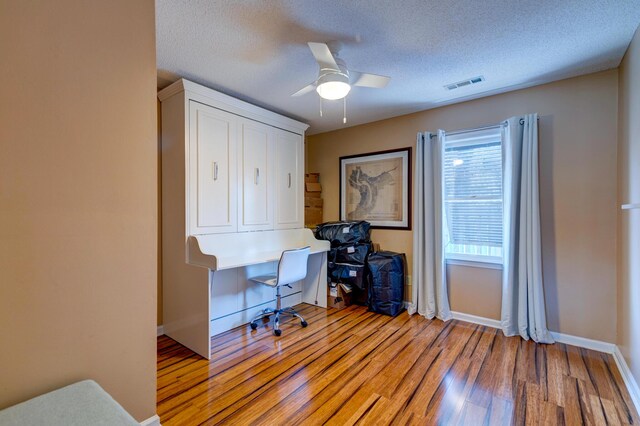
(293, 265)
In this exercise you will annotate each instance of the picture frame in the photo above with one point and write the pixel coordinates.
(376, 187)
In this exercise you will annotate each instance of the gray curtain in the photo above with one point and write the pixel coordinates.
(523, 305)
(429, 285)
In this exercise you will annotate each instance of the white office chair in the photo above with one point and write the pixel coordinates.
(292, 267)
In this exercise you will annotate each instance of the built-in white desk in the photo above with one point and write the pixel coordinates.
(225, 251)
(224, 297)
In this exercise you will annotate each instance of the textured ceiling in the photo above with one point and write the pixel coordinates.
(256, 50)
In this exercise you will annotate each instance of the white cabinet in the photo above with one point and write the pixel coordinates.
(243, 175)
(289, 180)
(232, 175)
(212, 170)
(236, 167)
(256, 159)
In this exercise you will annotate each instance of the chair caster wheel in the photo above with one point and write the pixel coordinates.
(303, 323)
(254, 326)
(277, 332)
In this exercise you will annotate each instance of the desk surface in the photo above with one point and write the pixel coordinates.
(234, 250)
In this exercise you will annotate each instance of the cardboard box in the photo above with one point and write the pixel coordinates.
(312, 177)
(339, 296)
(312, 194)
(312, 216)
(313, 187)
(313, 202)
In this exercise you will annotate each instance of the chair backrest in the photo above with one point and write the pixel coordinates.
(293, 265)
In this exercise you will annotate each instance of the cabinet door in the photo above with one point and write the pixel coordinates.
(256, 159)
(212, 182)
(289, 180)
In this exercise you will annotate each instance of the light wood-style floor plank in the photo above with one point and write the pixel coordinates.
(353, 367)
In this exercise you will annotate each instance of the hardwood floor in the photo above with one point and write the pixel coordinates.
(351, 366)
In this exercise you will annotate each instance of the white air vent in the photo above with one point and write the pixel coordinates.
(463, 83)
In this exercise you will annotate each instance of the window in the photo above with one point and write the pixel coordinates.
(472, 172)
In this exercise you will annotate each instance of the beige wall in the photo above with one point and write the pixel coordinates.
(629, 220)
(159, 186)
(578, 131)
(474, 290)
(77, 199)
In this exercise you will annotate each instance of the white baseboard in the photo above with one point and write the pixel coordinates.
(151, 421)
(160, 330)
(581, 342)
(627, 376)
(493, 323)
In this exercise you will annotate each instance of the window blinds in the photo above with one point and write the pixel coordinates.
(473, 192)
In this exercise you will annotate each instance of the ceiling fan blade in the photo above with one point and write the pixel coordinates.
(323, 56)
(365, 79)
(306, 89)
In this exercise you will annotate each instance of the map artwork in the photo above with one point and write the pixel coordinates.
(374, 190)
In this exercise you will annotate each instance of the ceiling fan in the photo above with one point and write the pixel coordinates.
(335, 79)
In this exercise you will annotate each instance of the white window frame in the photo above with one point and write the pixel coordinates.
(471, 137)
(474, 263)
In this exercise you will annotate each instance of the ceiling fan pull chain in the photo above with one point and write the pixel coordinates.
(344, 110)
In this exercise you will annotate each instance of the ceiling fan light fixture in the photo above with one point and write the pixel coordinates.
(333, 86)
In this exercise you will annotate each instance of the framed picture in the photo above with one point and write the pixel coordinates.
(376, 187)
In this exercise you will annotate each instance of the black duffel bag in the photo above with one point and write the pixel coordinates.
(348, 274)
(340, 233)
(350, 253)
(386, 282)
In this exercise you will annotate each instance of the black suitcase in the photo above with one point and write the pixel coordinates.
(386, 282)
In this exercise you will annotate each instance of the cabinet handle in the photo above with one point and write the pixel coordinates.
(289, 179)
(215, 170)
(257, 174)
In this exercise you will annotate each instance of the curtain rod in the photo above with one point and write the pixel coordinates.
(493, 126)
(475, 129)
